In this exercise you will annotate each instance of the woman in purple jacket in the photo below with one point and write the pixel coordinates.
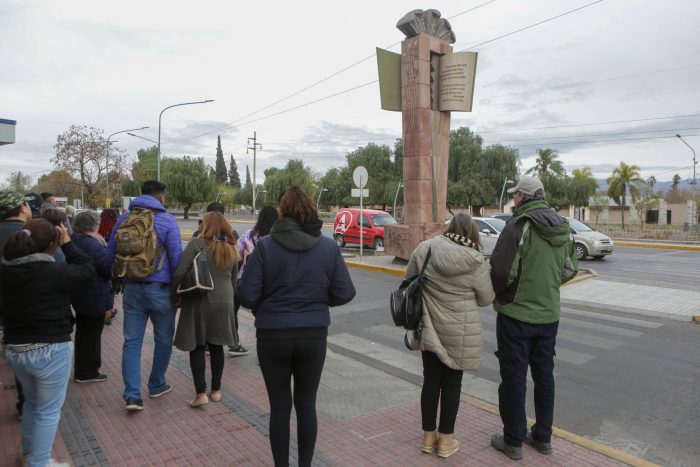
(90, 302)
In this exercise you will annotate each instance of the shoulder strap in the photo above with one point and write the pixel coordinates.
(425, 262)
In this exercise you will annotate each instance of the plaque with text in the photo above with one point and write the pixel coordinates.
(456, 82)
(389, 65)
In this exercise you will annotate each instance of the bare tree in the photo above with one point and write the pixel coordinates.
(18, 181)
(83, 153)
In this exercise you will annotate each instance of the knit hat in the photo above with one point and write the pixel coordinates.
(10, 200)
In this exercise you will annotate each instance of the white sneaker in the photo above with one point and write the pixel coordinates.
(55, 463)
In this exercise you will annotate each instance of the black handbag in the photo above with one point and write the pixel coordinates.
(406, 302)
(197, 279)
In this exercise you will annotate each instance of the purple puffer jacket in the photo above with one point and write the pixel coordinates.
(167, 231)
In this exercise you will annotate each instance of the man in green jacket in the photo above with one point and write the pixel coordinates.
(534, 255)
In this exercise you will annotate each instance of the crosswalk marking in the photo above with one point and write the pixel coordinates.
(566, 355)
(567, 322)
(613, 318)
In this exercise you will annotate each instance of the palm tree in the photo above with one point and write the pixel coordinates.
(624, 178)
(583, 186)
(547, 164)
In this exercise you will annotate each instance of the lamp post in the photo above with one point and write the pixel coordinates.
(319, 197)
(396, 196)
(692, 204)
(219, 194)
(500, 201)
(141, 137)
(159, 121)
(109, 145)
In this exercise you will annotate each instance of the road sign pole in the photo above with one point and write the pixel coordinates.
(361, 219)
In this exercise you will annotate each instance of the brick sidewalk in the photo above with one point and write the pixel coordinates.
(366, 417)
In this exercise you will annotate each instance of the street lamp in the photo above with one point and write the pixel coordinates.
(137, 136)
(219, 194)
(393, 213)
(159, 121)
(692, 204)
(319, 197)
(109, 144)
(500, 201)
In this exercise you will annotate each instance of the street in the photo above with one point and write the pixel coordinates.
(628, 381)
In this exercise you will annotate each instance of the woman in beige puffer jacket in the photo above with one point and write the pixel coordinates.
(458, 282)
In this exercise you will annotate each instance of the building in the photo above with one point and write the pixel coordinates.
(7, 131)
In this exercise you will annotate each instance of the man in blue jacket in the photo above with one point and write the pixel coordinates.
(149, 299)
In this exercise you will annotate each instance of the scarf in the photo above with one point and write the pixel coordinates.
(459, 240)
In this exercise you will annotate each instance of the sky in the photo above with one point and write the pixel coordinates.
(611, 82)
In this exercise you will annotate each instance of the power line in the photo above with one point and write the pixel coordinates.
(592, 135)
(594, 141)
(532, 25)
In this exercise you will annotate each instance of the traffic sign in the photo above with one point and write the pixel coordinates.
(357, 192)
(359, 176)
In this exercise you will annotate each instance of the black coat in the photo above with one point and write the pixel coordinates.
(96, 297)
(36, 295)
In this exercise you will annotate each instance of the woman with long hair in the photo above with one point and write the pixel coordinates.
(458, 282)
(246, 244)
(92, 301)
(206, 320)
(38, 325)
(291, 279)
(108, 218)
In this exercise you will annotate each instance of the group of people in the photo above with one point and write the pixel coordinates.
(288, 274)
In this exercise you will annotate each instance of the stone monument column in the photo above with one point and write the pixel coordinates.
(425, 130)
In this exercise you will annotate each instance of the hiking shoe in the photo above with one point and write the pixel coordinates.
(499, 444)
(166, 389)
(541, 447)
(95, 379)
(134, 405)
(237, 351)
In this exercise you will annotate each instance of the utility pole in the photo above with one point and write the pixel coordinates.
(693, 205)
(255, 149)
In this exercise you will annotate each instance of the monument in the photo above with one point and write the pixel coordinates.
(426, 82)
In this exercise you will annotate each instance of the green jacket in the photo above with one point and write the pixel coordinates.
(534, 255)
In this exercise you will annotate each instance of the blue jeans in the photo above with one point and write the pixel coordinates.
(141, 302)
(44, 374)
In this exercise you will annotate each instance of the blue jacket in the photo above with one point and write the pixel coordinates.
(293, 276)
(94, 298)
(168, 234)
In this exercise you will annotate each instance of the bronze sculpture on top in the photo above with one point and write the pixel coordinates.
(426, 82)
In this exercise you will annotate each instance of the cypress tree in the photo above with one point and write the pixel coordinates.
(234, 180)
(220, 164)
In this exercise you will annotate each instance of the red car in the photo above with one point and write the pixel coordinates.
(346, 227)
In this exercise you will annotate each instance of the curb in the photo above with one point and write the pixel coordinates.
(660, 247)
(372, 267)
(579, 440)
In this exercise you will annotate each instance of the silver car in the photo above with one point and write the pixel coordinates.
(588, 241)
(489, 231)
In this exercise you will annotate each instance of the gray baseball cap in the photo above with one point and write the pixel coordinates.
(527, 186)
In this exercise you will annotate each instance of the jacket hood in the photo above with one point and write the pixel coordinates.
(549, 225)
(449, 258)
(22, 270)
(294, 236)
(147, 202)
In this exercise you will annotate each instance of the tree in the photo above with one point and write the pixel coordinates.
(234, 180)
(557, 189)
(676, 181)
(583, 186)
(621, 181)
(277, 180)
(17, 181)
(647, 200)
(248, 181)
(81, 151)
(188, 181)
(547, 163)
(381, 181)
(221, 174)
(598, 205)
(60, 183)
(675, 195)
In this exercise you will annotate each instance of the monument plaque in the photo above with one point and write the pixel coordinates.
(456, 87)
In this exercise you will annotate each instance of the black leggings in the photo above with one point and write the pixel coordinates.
(440, 384)
(199, 365)
(280, 359)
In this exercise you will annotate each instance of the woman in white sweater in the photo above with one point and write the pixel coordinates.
(458, 283)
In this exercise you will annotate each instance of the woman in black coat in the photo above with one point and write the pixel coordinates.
(90, 302)
(291, 278)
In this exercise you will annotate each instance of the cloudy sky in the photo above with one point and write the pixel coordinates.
(614, 81)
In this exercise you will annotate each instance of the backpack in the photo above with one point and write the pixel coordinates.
(406, 303)
(137, 245)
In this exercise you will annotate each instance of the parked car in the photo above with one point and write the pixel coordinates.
(588, 241)
(504, 216)
(490, 229)
(346, 227)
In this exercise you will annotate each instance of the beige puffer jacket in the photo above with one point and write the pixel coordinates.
(458, 280)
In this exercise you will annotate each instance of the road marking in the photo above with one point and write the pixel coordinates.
(614, 318)
(376, 305)
(410, 361)
(570, 322)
